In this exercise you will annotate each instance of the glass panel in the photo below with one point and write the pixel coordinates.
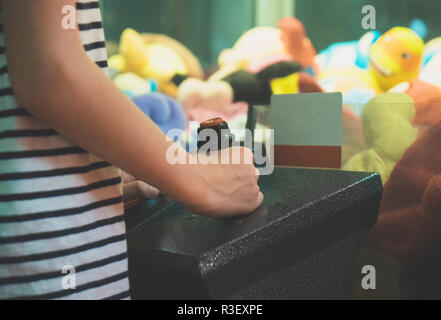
(205, 27)
(391, 84)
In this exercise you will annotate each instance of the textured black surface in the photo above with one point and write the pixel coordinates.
(302, 243)
(398, 279)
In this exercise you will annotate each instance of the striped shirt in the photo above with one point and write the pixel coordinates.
(60, 206)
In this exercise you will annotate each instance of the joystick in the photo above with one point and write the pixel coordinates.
(225, 138)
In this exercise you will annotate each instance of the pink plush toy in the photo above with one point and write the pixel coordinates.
(246, 71)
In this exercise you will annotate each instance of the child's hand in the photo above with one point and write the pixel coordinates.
(229, 189)
(135, 190)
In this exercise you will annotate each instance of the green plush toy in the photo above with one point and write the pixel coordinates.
(388, 132)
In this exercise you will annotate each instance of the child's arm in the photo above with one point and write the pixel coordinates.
(54, 79)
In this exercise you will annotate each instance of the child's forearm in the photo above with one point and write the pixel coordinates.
(63, 88)
(86, 108)
(54, 79)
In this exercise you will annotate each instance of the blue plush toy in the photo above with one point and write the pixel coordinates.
(163, 110)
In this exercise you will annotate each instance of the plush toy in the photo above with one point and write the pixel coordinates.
(388, 132)
(288, 43)
(237, 109)
(256, 88)
(263, 61)
(212, 95)
(253, 46)
(356, 85)
(298, 45)
(244, 86)
(153, 60)
(156, 57)
(344, 55)
(431, 72)
(118, 63)
(419, 27)
(396, 57)
(410, 215)
(133, 85)
(191, 62)
(427, 100)
(163, 110)
(353, 141)
(299, 82)
(132, 52)
(432, 48)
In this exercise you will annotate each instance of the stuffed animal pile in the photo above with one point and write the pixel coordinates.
(391, 86)
(392, 125)
(144, 69)
(395, 97)
(264, 61)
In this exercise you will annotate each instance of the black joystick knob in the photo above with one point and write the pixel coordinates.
(221, 131)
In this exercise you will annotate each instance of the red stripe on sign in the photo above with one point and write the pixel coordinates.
(307, 156)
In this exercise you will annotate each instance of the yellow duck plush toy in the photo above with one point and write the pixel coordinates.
(387, 124)
(394, 58)
(156, 57)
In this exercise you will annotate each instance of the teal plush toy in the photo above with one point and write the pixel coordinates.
(348, 54)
